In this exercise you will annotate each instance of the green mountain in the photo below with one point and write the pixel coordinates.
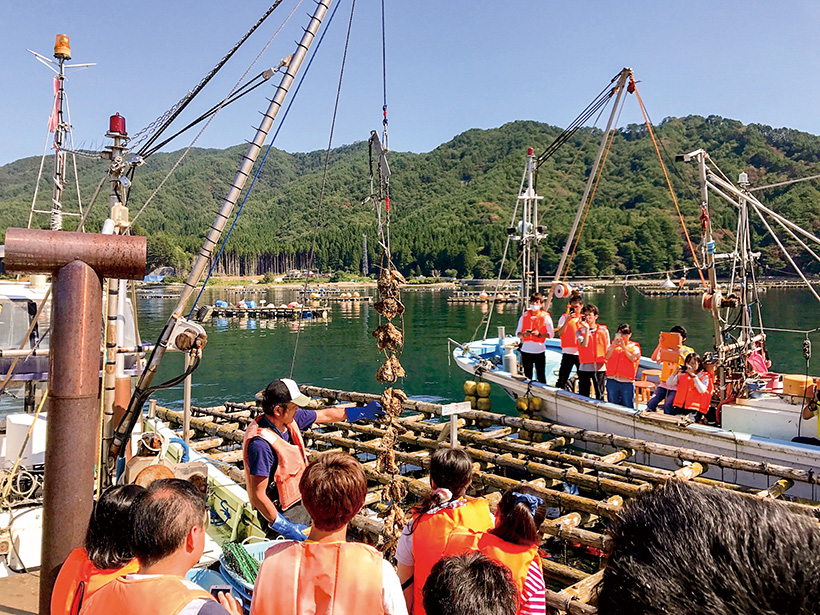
(451, 206)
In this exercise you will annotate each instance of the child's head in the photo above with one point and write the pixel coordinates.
(333, 490)
(625, 330)
(451, 469)
(679, 329)
(470, 584)
(520, 512)
(576, 301)
(590, 312)
(693, 360)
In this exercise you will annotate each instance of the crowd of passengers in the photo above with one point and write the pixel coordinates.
(609, 365)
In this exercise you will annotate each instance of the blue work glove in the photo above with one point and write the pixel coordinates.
(288, 529)
(371, 411)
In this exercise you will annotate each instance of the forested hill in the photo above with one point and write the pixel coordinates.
(451, 206)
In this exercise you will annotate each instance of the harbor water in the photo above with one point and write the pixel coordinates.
(243, 356)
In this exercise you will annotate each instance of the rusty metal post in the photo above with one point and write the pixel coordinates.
(71, 428)
(77, 261)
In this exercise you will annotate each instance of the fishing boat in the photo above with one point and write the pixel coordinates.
(760, 413)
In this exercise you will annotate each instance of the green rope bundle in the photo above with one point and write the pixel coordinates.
(240, 561)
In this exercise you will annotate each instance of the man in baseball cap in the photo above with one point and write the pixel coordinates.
(275, 457)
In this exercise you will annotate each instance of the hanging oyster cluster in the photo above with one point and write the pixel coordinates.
(389, 340)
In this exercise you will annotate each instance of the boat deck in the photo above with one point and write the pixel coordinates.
(19, 594)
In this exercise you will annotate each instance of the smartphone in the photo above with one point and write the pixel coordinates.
(215, 589)
(617, 336)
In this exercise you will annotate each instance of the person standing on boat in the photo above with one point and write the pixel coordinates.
(514, 542)
(622, 358)
(566, 331)
(275, 457)
(330, 574)
(443, 511)
(534, 327)
(168, 539)
(593, 341)
(663, 392)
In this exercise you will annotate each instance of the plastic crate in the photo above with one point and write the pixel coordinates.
(243, 588)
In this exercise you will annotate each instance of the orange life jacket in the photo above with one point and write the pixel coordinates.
(595, 350)
(291, 456)
(517, 558)
(535, 322)
(618, 365)
(339, 578)
(568, 337)
(688, 397)
(430, 534)
(79, 578)
(162, 595)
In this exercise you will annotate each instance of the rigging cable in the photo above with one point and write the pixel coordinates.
(384, 80)
(592, 195)
(669, 183)
(312, 253)
(180, 106)
(211, 118)
(215, 262)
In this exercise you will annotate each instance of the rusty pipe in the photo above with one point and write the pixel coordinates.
(39, 251)
(71, 429)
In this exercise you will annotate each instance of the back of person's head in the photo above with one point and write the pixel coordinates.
(333, 490)
(683, 549)
(519, 515)
(163, 516)
(470, 584)
(590, 308)
(106, 540)
(451, 473)
(679, 329)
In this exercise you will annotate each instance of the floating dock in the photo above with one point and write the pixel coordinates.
(206, 312)
(476, 296)
(584, 491)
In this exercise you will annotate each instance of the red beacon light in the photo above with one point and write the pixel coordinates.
(529, 151)
(116, 124)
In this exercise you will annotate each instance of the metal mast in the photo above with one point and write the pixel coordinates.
(58, 124)
(618, 91)
(178, 329)
(529, 233)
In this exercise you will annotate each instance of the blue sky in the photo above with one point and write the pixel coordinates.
(452, 65)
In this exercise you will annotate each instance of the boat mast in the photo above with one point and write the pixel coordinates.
(529, 233)
(618, 91)
(57, 123)
(178, 328)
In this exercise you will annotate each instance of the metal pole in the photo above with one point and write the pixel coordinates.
(59, 170)
(619, 90)
(204, 257)
(71, 430)
(186, 403)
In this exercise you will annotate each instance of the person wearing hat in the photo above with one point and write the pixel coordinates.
(275, 457)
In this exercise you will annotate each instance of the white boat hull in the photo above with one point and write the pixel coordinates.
(568, 408)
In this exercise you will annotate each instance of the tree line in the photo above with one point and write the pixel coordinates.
(451, 207)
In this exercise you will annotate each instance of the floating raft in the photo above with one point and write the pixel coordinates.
(475, 296)
(585, 491)
(333, 295)
(207, 312)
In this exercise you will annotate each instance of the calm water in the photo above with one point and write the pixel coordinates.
(244, 356)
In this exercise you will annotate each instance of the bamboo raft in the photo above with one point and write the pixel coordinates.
(267, 312)
(584, 491)
(475, 296)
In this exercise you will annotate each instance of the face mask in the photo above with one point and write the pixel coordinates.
(534, 307)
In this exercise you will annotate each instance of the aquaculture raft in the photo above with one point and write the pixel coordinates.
(475, 296)
(585, 491)
(207, 312)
